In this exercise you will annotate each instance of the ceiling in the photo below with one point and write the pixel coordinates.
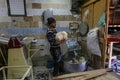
(76, 5)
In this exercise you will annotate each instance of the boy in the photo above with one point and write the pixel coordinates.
(55, 47)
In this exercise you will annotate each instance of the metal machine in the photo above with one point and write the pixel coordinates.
(77, 63)
(72, 42)
(74, 64)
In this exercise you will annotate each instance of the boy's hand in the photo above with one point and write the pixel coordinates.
(58, 42)
(63, 41)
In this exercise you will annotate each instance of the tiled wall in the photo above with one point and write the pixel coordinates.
(33, 23)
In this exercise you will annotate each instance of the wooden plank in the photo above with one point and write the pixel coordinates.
(27, 72)
(18, 66)
(91, 16)
(91, 75)
(3, 56)
(81, 74)
(108, 12)
(1, 68)
(4, 74)
(108, 76)
(111, 76)
(83, 14)
(101, 78)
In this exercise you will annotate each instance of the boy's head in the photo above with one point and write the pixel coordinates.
(51, 22)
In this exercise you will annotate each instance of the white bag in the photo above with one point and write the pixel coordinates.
(93, 42)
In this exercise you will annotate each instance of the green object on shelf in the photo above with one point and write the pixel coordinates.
(102, 19)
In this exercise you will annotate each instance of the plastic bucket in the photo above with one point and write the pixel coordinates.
(50, 63)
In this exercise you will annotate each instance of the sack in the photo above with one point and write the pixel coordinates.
(14, 42)
(93, 42)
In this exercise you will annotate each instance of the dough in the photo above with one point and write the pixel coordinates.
(61, 36)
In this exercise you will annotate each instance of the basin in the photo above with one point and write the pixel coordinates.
(74, 67)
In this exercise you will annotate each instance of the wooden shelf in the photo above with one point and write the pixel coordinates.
(113, 40)
(116, 49)
(111, 7)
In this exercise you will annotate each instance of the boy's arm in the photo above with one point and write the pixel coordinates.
(51, 38)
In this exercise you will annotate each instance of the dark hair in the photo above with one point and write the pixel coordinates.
(50, 20)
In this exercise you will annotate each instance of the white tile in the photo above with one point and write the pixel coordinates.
(3, 12)
(32, 12)
(63, 23)
(18, 19)
(56, 6)
(29, 6)
(3, 1)
(5, 19)
(3, 5)
(50, 1)
(40, 24)
(62, 12)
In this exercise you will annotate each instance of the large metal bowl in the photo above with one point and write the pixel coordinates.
(74, 67)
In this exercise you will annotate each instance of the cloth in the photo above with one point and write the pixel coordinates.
(93, 42)
(116, 66)
(47, 14)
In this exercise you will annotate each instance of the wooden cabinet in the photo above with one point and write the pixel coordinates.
(96, 8)
(112, 29)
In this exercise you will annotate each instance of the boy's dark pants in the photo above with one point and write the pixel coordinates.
(58, 63)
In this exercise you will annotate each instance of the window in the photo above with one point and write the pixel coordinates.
(16, 7)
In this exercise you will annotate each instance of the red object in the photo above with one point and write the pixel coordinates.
(14, 42)
(113, 40)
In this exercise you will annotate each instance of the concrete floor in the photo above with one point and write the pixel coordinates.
(41, 73)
